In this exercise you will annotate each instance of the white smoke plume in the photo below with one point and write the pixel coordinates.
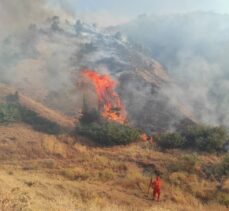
(193, 48)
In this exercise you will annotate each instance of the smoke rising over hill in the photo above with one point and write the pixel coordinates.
(18, 14)
(30, 48)
(193, 48)
(43, 53)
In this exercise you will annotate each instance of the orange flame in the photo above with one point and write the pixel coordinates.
(109, 103)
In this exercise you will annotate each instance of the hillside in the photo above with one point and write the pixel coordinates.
(51, 115)
(10, 95)
(192, 49)
(103, 109)
(44, 172)
(44, 62)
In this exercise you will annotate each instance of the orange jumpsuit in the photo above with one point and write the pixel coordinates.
(156, 185)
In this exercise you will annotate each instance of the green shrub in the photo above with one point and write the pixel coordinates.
(170, 141)
(222, 169)
(13, 112)
(108, 133)
(9, 113)
(219, 170)
(199, 137)
(90, 116)
(104, 132)
(206, 138)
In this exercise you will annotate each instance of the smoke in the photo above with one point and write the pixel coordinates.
(41, 54)
(104, 18)
(193, 48)
(35, 56)
(18, 14)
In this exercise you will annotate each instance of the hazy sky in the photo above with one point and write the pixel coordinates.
(112, 11)
(135, 7)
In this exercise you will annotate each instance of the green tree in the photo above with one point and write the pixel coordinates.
(171, 141)
(9, 113)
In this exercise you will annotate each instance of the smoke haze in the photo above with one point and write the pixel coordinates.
(43, 48)
(193, 48)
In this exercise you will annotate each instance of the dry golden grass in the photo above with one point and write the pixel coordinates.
(40, 109)
(43, 172)
(52, 145)
(53, 116)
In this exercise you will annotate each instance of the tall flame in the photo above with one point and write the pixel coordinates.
(109, 103)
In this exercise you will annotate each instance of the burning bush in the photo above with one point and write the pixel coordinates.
(90, 116)
(106, 125)
(105, 132)
(109, 103)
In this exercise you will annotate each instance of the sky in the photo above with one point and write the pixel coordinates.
(135, 7)
(123, 10)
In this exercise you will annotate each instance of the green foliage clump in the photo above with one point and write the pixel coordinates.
(9, 113)
(90, 116)
(108, 133)
(217, 171)
(13, 112)
(170, 141)
(222, 169)
(104, 132)
(206, 138)
(199, 137)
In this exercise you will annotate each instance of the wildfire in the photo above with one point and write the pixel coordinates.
(109, 103)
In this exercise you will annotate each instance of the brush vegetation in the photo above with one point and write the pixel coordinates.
(198, 137)
(40, 171)
(46, 172)
(104, 132)
(16, 113)
(9, 113)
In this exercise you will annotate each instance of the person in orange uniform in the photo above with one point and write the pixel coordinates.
(156, 185)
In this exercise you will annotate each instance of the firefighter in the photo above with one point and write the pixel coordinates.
(156, 185)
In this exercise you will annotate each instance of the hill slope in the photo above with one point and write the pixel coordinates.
(44, 112)
(44, 172)
(192, 47)
(45, 61)
(9, 95)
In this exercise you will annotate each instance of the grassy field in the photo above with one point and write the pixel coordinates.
(43, 172)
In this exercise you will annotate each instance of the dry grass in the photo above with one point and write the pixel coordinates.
(52, 145)
(40, 109)
(41, 172)
(50, 114)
